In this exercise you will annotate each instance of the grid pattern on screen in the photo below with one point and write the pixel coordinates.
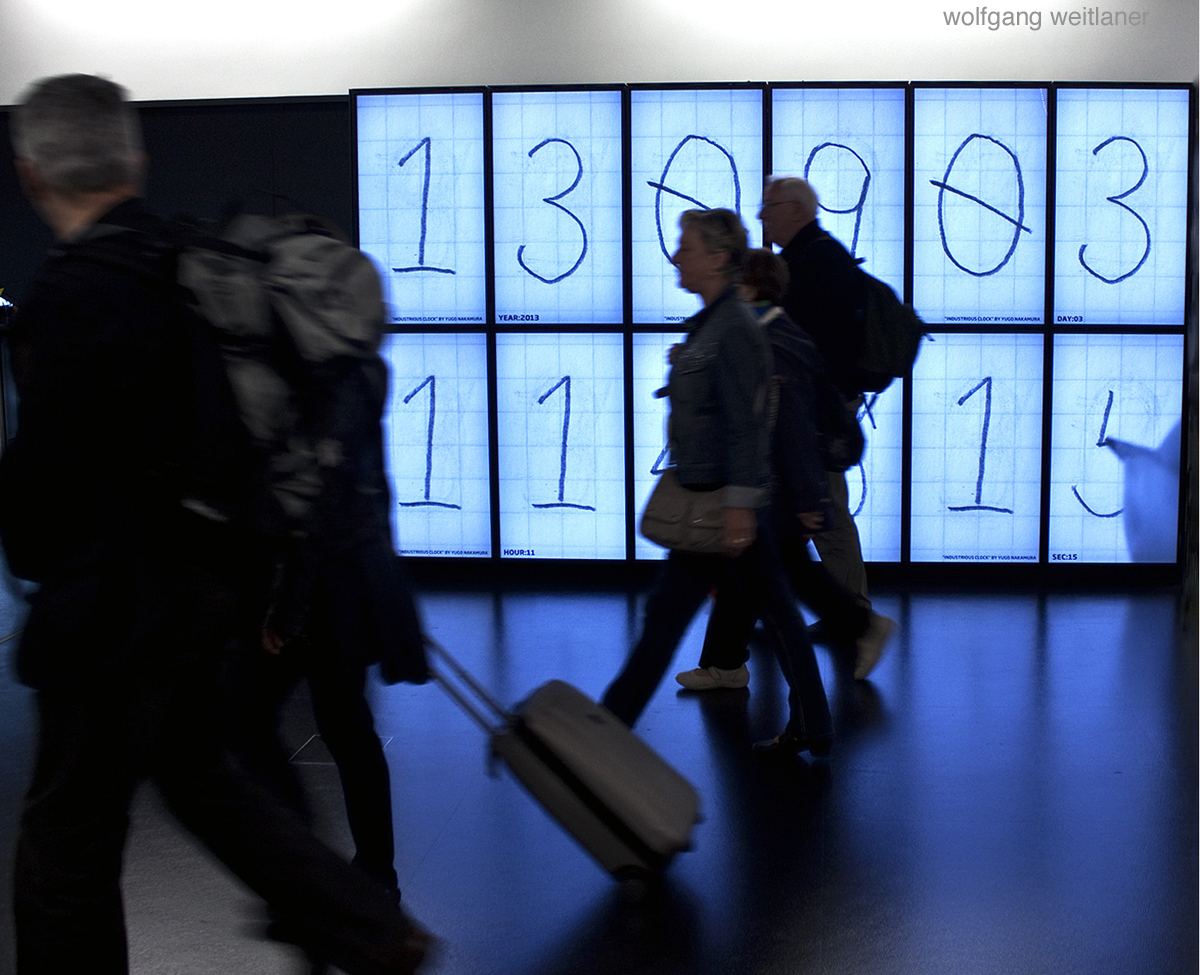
(874, 485)
(561, 429)
(557, 184)
(690, 149)
(420, 200)
(1121, 207)
(976, 458)
(436, 436)
(849, 144)
(1115, 451)
(649, 423)
(561, 170)
(979, 207)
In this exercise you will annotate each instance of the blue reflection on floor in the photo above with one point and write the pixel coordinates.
(1015, 791)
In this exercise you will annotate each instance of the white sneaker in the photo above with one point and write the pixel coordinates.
(870, 645)
(710, 678)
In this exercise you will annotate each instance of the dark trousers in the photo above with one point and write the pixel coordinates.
(261, 685)
(731, 624)
(682, 587)
(154, 717)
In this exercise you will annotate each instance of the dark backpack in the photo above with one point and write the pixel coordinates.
(298, 316)
(280, 316)
(889, 336)
(839, 438)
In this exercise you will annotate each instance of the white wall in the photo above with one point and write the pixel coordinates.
(231, 48)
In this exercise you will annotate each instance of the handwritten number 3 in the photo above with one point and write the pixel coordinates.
(1117, 200)
(553, 201)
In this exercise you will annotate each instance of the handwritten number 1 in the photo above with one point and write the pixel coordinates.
(1101, 441)
(986, 386)
(431, 383)
(425, 144)
(565, 385)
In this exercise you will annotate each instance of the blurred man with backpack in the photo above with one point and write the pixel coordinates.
(103, 503)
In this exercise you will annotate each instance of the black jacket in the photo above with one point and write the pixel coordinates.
(824, 295)
(89, 488)
(99, 361)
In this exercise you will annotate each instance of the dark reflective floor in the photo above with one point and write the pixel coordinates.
(1014, 792)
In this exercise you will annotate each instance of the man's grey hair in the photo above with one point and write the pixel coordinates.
(80, 133)
(797, 189)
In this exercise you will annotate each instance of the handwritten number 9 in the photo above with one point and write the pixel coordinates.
(857, 208)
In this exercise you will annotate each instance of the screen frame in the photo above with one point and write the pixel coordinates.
(1047, 329)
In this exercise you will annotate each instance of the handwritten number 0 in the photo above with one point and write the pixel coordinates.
(661, 186)
(944, 187)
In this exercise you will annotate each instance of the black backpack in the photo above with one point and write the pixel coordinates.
(889, 335)
(839, 438)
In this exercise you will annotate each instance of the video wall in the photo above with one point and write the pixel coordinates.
(524, 241)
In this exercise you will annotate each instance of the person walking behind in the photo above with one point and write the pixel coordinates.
(719, 437)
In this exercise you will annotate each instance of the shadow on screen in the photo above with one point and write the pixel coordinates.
(1151, 497)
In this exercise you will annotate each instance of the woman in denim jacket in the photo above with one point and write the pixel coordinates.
(720, 439)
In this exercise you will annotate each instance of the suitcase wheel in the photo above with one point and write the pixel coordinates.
(637, 883)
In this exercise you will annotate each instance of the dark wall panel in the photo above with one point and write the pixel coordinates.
(205, 156)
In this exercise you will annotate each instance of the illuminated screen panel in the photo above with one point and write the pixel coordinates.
(691, 149)
(976, 460)
(1121, 207)
(420, 203)
(849, 143)
(557, 204)
(875, 484)
(650, 455)
(436, 432)
(1114, 461)
(561, 426)
(979, 205)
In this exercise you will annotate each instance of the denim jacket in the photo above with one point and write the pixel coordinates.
(719, 430)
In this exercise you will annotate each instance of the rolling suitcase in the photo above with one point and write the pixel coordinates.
(610, 790)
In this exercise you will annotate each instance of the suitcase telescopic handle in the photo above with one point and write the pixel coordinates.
(471, 696)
